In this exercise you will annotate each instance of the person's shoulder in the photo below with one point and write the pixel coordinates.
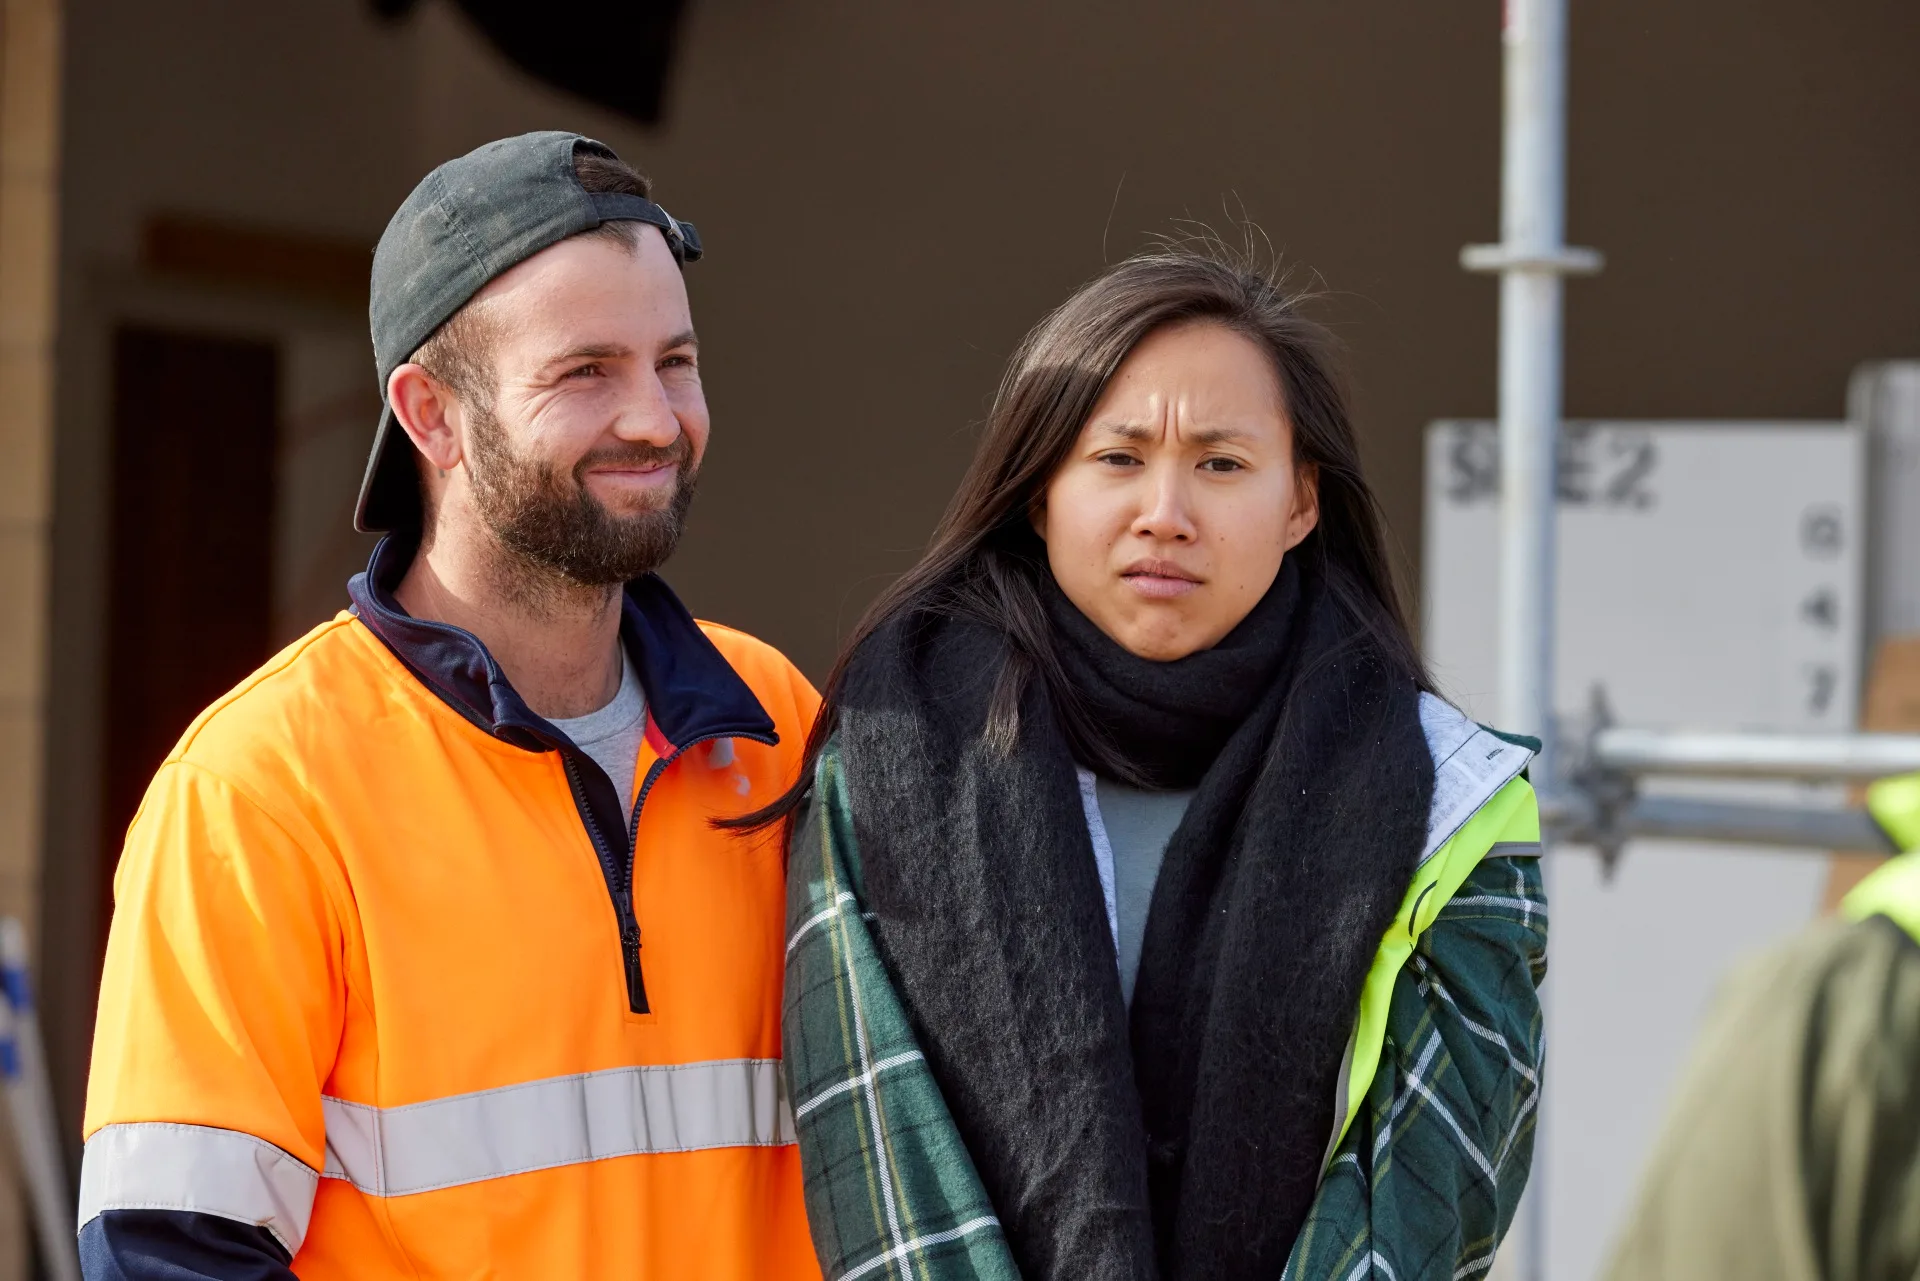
(747, 654)
(1478, 777)
(317, 684)
(1447, 728)
(274, 745)
(768, 672)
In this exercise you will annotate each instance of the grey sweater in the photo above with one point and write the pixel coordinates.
(1130, 830)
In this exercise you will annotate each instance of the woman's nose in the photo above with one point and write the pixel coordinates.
(1166, 513)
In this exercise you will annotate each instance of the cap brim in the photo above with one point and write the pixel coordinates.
(390, 490)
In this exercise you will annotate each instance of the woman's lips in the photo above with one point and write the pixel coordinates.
(1160, 580)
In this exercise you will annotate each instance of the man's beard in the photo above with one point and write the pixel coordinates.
(552, 525)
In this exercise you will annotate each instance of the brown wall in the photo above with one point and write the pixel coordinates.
(894, 196)
(892, 193)
(1749, 169)
(30, 93)
(891, 211)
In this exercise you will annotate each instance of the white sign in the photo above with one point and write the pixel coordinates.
(1709, 576)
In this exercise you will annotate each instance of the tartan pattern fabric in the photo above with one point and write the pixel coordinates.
(891, 1192)
(1426, 1181)
(1423, 1185)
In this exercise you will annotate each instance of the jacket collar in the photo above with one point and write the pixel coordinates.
(1470, 765)
(693, 693)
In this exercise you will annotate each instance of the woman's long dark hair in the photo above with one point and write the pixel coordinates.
(985, 561)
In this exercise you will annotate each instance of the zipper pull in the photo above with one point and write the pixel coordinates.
(636, 981)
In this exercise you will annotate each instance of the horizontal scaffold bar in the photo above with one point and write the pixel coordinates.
(1844, 757)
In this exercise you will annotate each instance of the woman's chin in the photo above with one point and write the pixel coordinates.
(1160, 643)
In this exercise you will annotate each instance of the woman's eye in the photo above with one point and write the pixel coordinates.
(1223, 465)
(1117, 459)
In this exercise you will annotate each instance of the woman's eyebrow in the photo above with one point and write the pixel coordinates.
(1218, 435)
(1140, 432)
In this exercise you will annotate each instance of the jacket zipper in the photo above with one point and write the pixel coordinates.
(619, 871)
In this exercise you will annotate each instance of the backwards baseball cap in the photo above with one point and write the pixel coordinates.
(466, 223)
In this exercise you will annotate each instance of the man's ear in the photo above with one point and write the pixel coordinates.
(429, 412)
(1306, 504)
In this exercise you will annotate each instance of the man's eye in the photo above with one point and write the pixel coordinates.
(677, 362)
(585, 371)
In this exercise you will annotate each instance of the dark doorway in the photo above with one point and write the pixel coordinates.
(191, 580)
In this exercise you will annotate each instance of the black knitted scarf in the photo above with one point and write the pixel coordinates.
(1182, 1142)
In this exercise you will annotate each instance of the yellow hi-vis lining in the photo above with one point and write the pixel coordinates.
(1895, 805)
(1893, 890)
(1510, 818)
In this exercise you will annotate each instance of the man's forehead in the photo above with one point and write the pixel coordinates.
(591, 291)
(590, 264)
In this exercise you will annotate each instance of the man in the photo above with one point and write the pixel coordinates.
(1791, 1149)
(427, 959)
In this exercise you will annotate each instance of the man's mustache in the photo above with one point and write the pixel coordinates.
(638, 453)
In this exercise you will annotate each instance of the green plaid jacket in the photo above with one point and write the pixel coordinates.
(1422, 1184)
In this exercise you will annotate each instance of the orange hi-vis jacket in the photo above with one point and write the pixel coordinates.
(389, 985)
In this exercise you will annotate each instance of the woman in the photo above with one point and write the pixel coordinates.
(1151, 918)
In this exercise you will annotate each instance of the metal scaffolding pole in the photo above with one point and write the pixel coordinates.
(1599, 801)
(1531, 258)
(1855, 757)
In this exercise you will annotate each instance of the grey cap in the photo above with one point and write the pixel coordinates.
(467, 222)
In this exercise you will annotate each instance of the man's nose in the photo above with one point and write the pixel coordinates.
(647, 415)
(1166, 512)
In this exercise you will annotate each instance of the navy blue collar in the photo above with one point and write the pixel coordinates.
(693, 693)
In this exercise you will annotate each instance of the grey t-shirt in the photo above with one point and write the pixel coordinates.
(611, 736)
(1130, 830)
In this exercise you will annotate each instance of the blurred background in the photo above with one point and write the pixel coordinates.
(891, 194)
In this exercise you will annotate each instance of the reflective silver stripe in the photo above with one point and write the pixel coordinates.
(1342, 1101)
(564, 1120)
(160, 1165)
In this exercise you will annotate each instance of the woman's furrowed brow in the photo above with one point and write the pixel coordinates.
(1141, 432)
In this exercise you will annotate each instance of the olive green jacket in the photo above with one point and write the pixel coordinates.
(1791, 1150)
